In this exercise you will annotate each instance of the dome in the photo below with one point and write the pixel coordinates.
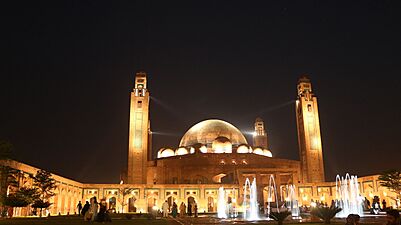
(243, 149)
(207, 131)
(181, 151)
(167, 153)
(222, 145)
(267, 153)
(258, 151)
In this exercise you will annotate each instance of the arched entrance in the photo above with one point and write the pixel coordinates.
(151, 202)
(190, 204)
(210, 204)
(112, 204)
(170, 201)
(131, 204)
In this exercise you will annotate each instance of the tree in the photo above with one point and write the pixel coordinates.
(45, 184)
(392, 180)
(124, 192)
(21, 198)
(279, 216)
(326, 213)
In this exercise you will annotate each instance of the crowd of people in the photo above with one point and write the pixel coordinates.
(94, 211)
(183, 210)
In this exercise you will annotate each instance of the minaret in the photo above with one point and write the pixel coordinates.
(139, 132)
(309, 139)
(260, 135)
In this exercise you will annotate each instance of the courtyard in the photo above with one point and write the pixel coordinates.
(202, 220)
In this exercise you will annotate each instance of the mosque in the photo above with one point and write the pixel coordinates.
(213, 153)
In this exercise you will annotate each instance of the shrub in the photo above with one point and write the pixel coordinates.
(326, 213)
(279, 216)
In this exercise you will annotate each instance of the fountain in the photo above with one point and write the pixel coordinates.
(250, 204)
(347, 196)
(272, 191)
(292, 201)
(221, 204)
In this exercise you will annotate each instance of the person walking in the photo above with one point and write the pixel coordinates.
(85, 211)
(384, 204)
(174, 210)
(165, 208)
(79, 207)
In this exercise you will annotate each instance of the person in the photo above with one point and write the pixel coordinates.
(195, 209)
(93, 208)
(165, 208)
(189, 209)
(103, 216)
(182, 209)
(384, 204)
(174, 210)
(353, 219)
(79, 206)
(85, 210)
(393, 217)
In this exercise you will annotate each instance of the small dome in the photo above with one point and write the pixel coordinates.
(167, 153)
(222, 145)
(203, 149)
(258, 151)
(159, 153)
(243, 149)
(181, 151)
(267, 153)
(192, 150)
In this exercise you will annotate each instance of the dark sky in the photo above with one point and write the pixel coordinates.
(68, 69)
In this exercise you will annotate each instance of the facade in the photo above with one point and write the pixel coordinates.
(212, 153)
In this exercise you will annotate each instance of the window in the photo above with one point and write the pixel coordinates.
(139, 104)
(309, 108)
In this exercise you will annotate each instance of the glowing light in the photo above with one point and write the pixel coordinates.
(371, 194)
(181, 151)
(305, 198)
(203, 149)
(254, 133)
(322, 198)
(155, 208)
(167, 153)
(258, 151)
(384, 193)
(313, 204)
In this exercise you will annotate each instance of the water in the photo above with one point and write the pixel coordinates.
(292, 201)
(347, 196)
(272, 191)
(222, 204)
(250, 205)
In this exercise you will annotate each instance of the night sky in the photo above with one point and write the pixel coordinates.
(68, 69)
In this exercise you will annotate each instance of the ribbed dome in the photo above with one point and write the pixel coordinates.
(207, 131)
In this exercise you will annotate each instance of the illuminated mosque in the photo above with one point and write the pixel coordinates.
(213, 153)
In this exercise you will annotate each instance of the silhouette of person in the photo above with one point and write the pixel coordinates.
(85, 210)
(79, 206)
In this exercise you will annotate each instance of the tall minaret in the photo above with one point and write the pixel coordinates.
(260, 135)
(139, 132)
(309, 139)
